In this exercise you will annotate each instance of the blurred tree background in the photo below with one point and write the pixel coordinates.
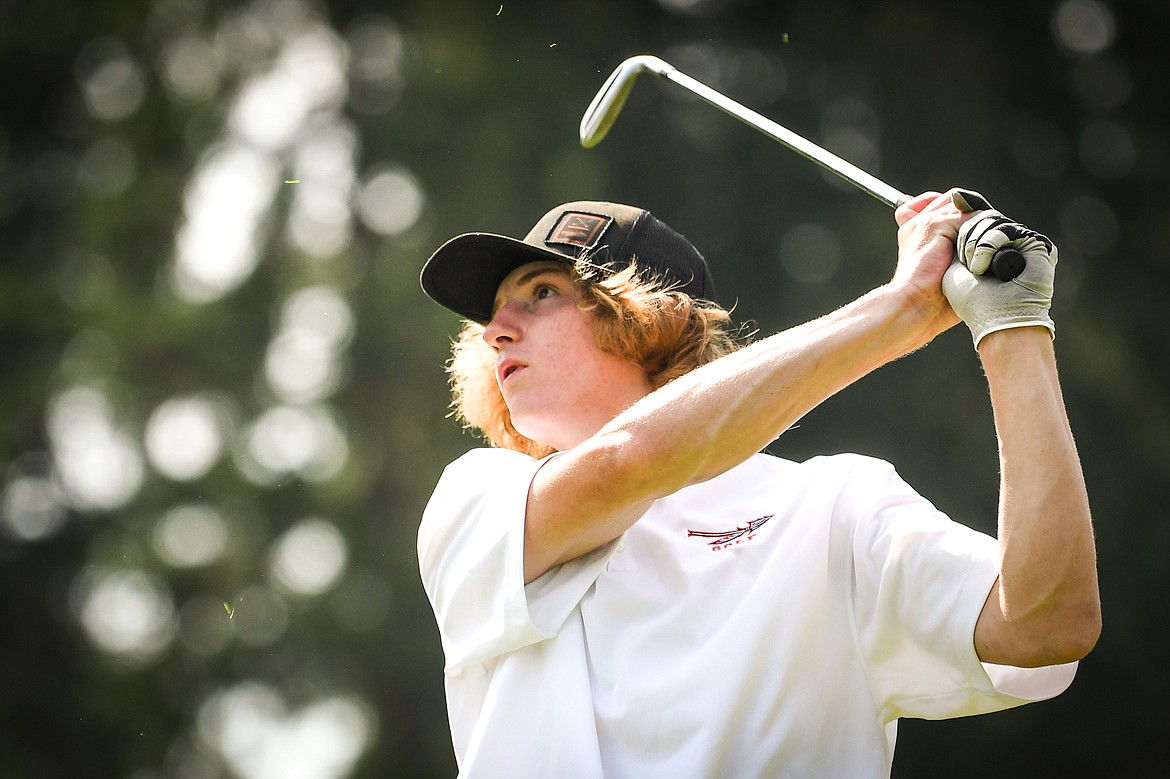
(222, 398)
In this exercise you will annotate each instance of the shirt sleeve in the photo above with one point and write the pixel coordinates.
(919, 583)
(471, 558)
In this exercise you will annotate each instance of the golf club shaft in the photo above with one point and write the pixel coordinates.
(1007, 264)
(826, 159)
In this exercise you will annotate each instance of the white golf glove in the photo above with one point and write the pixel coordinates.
(983, 302)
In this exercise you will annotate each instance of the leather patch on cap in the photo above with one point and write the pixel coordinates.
(576, 228)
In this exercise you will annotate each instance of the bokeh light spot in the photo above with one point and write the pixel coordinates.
(304, 440)
(377, 52)
(125, 612)
(99, 465)
(190, 68)
(191, 535)
(32, 508)
(112, 84)
(390, 201)
(310, 557)
(224, 203)
(260, 737)
(309, 75)
(321, 218)
(303, 359)
(1103, 82)
(1084, 27)
(183, 438)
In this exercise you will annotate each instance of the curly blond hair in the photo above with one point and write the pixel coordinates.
(666, 332)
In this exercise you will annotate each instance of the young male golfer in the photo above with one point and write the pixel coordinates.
(626, 587)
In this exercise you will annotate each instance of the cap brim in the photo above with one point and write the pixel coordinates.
(464, 274)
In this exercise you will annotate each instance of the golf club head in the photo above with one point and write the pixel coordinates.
(608, 102)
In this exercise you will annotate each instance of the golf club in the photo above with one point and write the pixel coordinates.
(601, 113)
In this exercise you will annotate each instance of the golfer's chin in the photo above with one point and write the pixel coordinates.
(545, 429)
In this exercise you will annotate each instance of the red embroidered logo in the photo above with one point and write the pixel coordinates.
(721, 539)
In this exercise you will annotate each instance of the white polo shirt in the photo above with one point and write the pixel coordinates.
(775, 621)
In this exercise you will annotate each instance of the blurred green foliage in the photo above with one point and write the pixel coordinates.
(143, 643)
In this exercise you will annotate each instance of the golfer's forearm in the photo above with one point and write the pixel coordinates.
(1048, 604)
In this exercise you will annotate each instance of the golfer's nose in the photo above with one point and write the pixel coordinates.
(503, 327)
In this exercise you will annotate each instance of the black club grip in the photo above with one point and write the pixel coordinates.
(1007, 264)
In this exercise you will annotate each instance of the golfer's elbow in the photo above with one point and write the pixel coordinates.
(1070, 624)
(1055, 633)
(1082, 633)
(1067, 638)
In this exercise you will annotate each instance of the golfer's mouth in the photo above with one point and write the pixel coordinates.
(506, 369)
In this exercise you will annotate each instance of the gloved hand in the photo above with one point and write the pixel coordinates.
(983, 302)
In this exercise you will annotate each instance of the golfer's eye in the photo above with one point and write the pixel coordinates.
(542, 291)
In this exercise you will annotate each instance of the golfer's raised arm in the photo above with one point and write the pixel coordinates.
(1045, 608)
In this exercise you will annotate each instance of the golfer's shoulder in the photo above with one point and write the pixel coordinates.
(482, 482)
(845, 471)
(480, 475)
(841, 464)
(485, 463)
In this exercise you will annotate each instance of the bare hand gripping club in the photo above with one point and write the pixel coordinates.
(601, 113)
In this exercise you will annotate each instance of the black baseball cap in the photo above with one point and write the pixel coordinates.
(465, 272)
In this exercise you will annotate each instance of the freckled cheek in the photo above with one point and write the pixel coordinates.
(584, 362)
(565, 368)
(590, 380)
